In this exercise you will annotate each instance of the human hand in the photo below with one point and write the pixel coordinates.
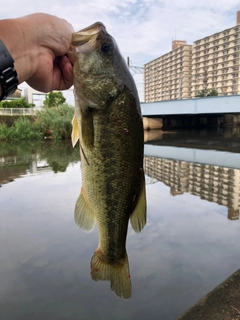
(39, 43)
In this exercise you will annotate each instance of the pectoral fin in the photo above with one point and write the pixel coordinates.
(83, 214)
(87, 129)
(75, 131)
(138, 217)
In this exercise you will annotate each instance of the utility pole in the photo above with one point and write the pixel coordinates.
(135, 69)
(128, 62)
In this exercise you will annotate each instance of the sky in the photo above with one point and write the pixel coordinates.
(143, 29)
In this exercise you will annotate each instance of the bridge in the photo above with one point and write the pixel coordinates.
(207, 105)
(195, 112)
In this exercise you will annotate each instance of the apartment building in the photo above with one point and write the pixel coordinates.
(215, 62)
(169, 76)
(210, 63)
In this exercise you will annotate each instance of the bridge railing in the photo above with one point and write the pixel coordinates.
(17, 111)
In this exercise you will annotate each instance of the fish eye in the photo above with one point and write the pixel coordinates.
(106, 48)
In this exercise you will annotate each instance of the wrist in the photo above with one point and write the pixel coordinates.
(8, 74)
(13, 34)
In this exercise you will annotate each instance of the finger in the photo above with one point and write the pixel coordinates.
(67, 70)
(62, 74)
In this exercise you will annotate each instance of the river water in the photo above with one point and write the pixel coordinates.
(189, 245)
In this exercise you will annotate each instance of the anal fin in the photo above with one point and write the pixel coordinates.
(138, 217)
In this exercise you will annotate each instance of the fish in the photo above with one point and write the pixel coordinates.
(108, 124)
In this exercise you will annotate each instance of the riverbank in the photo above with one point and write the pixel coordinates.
(54, 123)
(223, 302)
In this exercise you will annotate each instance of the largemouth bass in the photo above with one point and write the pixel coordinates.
(108, 123)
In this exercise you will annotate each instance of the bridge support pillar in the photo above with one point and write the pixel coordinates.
(152, 123)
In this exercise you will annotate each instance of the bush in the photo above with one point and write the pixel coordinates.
(56, 122)
(22, 129)
(4, 131)
(17, 103)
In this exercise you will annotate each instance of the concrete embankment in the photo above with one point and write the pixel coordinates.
(152, 123)
(222, 303)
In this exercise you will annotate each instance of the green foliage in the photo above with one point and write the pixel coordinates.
(22, 129)
(4, 131)
(16, 103)
(207, 93)
(54, 99)
(56, 122)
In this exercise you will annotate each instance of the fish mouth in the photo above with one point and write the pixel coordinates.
(87, 40)
(87, 34)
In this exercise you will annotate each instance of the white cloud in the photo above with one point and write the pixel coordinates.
(144, 29)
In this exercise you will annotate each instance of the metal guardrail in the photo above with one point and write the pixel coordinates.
(17, 111)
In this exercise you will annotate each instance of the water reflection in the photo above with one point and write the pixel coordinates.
(18, 159)
(213, 175)
(209, 182)
(222, 139)
(175, 260)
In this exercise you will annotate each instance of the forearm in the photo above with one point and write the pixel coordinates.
(12, 35)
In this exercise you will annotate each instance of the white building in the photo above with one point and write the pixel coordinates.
(36, 97)
(33, 96)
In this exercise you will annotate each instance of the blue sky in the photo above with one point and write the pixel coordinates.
(143, 29)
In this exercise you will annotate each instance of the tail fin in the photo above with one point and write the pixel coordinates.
(117, 273)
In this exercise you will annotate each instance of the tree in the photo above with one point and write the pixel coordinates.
(207, 93)
(54, 99)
